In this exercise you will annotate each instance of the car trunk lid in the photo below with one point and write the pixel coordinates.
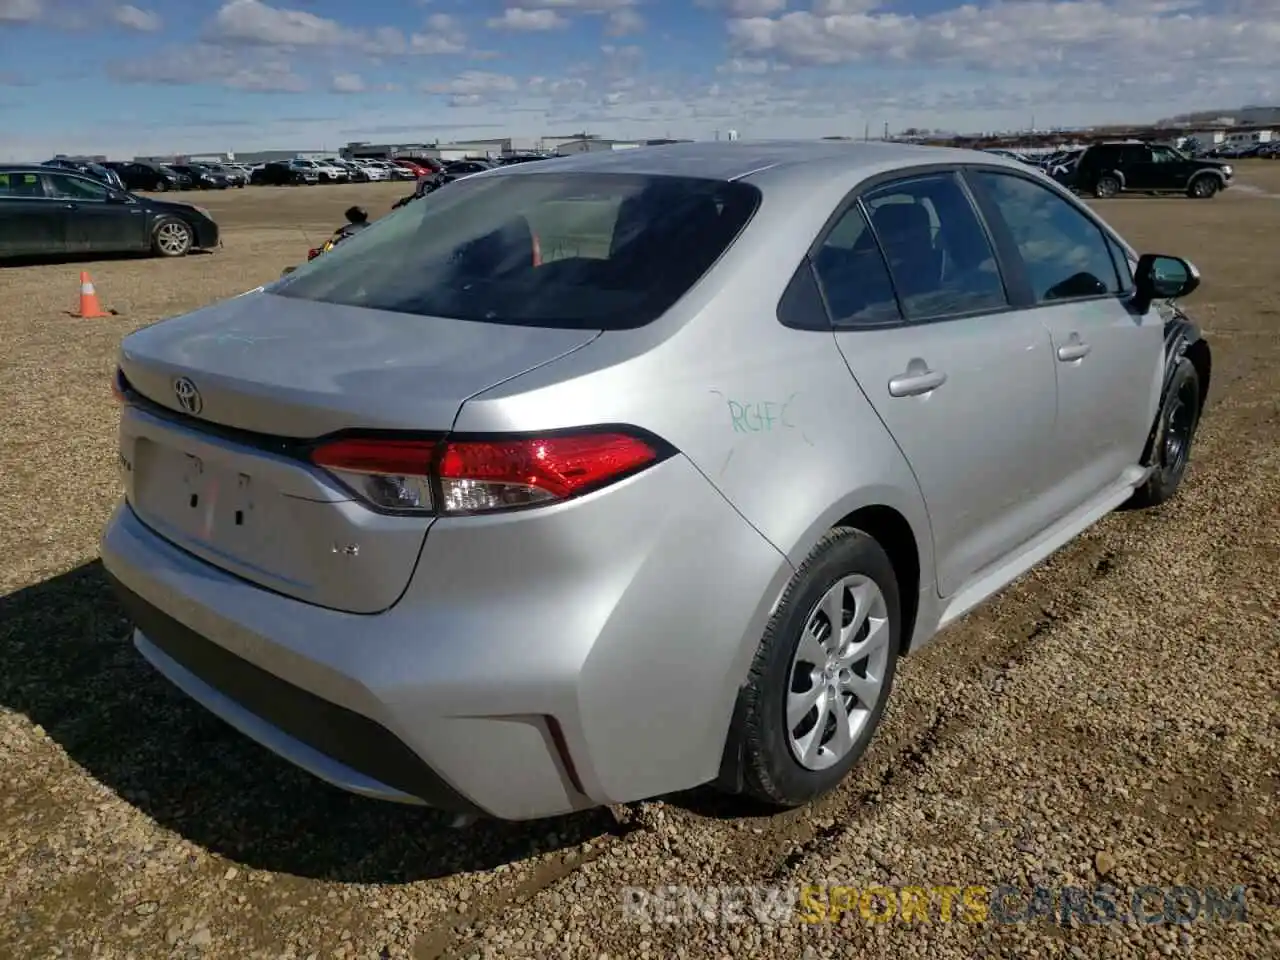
(209, 461)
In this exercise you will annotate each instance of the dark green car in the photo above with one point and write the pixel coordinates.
(49, 212)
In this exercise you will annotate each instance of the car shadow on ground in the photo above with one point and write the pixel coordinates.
(67, 662)
(88, 258)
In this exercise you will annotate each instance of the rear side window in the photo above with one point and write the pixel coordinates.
(1065, 254)
(853, 275)
(589, 251)
(937, 251)
(20, 185)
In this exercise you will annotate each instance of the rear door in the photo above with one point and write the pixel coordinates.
(97, 220)
(1137, 164)
(963, 382)
(1108, 359)
(30, 223)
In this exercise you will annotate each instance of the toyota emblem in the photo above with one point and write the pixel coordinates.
(188, 396)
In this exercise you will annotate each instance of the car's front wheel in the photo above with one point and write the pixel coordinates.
(172, 238)
(823, 671)
(1203, 187)
(1176, 429)
(1107, 186)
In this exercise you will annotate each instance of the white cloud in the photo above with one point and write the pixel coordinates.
(1035, 35)
(20, 11)
(219, 66)
(520, 19)
(135, 18)
(347, 83)
(475, 87)
(253, 22)
(623, 22)
(748, 8)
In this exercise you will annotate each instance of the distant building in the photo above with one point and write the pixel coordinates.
(247, 156)
(480, 148)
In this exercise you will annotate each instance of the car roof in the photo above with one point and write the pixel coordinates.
(43, 168)
(742, 159)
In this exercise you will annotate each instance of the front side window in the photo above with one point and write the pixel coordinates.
(74, 188)
(587, 251)
(938, 254)
(1065, 253)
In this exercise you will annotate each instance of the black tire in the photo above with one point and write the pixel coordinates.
(162, 186)
(1203, 187)
(1106, 187)
(771, 773)
(1178, 419)
(172, 237)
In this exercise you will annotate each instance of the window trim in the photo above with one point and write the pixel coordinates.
(874, 184)
(1105, 232)
(49, 187)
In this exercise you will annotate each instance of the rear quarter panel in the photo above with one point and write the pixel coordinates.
(769, 415)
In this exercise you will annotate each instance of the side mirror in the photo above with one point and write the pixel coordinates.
(1160, 277)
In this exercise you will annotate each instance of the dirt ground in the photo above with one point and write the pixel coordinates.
(1111, 717)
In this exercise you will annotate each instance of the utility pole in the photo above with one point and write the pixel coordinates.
(866, 132)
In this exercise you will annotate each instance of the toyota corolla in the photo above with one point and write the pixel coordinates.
(591, 481)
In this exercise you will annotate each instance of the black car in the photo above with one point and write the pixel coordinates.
(280, 173)
(1106, 169)
(201, 176)
(46, 212)
(95, 170)
(233, 176)
(139, 175)
(457, 169)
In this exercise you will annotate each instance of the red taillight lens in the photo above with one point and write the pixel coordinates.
(475, 476)
(389, 474)
(493, 474)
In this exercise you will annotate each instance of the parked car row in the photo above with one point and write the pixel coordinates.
(155, 177)
(1132, 166)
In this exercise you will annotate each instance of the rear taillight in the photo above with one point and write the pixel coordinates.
(477, 476)
(389, 474)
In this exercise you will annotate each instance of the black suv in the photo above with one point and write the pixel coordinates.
(1106, 169)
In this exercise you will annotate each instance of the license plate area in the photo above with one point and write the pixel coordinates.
(197, 496)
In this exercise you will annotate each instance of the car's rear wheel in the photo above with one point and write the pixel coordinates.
(1178, 419)
(162, 186)
(1203, 187)
(172, 238)
(1107, 186)
(823, 672)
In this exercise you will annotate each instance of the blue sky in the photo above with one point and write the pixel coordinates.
(196, 75)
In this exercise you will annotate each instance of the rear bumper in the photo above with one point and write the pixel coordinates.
(539, 663)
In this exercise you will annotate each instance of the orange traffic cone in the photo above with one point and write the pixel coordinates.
(90, 308)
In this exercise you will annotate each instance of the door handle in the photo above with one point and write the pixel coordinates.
(917, 380)
(1073, 349)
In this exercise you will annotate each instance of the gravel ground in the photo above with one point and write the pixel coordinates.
(1112, 718)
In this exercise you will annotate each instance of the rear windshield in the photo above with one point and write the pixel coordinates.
(590, 251)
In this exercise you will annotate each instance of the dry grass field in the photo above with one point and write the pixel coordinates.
(1112, 717)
